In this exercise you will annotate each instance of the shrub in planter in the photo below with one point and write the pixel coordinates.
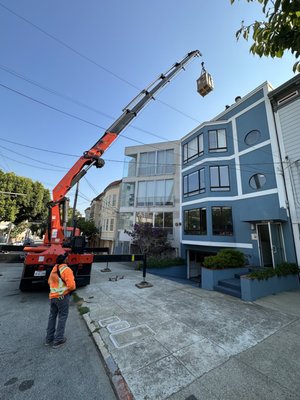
(267, 281)
(153, 262)
(227, 258)
(282, 269)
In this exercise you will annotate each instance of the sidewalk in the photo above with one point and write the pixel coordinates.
(176, 341)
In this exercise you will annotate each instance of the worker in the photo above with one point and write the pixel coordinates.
(62, 284)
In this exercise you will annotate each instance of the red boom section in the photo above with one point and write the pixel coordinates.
(66, 183)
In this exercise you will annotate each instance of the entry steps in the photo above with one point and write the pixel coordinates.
(230, 286)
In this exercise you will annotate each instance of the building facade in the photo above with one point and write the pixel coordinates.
(285, 102)
(233, 193)
(104, 212)
(150, 191)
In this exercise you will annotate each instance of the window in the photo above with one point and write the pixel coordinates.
(193, 149)
(164, 220)
(143, 218)
(222, 221)
(125, 221)
(156, 163)
(155, 193)
(252, 137)
(165, 162)
(194, 183)
(195, 221)
(127, 194)
(257, 181)
(114, 200)
(130, 166)
(111, 225)
(219, 178)
(158, 220)
(147, 164)
(217, 140)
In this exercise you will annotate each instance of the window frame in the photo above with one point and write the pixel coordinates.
(256, 178)
(224, 232)
(218, 148)
(221, 187)
(201, 183)
(199, 149)
(202, 230)
(165, 199)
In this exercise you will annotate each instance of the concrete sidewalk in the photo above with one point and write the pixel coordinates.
(176, 341)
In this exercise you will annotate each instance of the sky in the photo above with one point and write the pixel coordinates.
(68, 68)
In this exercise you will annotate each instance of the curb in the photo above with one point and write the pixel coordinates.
(118, 382)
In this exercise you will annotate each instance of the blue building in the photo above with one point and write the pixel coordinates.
(233, 193)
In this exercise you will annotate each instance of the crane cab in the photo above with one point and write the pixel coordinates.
(205, 83)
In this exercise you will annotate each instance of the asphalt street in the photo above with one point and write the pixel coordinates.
(31, 370)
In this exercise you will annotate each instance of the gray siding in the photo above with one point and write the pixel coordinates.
(289, 117)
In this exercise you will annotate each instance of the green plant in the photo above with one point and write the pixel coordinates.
(282, 269)
(227, 258)
(156, 262)
(83, 310)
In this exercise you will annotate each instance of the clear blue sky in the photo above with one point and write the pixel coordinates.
(122, 45)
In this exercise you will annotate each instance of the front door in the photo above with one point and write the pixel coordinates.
(270, 244)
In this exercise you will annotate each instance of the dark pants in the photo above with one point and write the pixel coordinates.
(60, 308)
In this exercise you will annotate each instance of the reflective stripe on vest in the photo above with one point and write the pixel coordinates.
(62, 287)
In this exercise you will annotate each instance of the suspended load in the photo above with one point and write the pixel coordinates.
(205, 83)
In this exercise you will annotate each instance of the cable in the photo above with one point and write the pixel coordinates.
(109, 160)
(39, 148)
(33, 159)
(91, 123)
(77, 102)
(51, 107)
(30, 165)
(87, 58)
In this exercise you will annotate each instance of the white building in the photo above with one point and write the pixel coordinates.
(150, 191)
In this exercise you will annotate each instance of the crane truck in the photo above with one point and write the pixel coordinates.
(39, 260)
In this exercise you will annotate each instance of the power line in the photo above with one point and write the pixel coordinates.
(30, 165)
(30, 158)
(51, 107)
(93, 124)
(72, 49)
(75, 101)
(107, 160)
(39, 148)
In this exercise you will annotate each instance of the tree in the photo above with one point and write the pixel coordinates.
(149, 240)
(280, 31)
(30, 206)
(88, 228)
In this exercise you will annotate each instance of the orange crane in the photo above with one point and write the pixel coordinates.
(40, 260)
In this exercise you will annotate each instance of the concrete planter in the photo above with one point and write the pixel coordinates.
(253, 289)
(177, 271)
(210, 277)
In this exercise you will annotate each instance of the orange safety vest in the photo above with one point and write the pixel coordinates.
(61, 287)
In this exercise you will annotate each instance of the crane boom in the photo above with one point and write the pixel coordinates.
(40, 260)
(93, 155)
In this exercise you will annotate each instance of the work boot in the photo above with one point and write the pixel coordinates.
(59, 344)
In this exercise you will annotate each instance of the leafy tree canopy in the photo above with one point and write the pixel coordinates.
(31, 206)
(149, 240)
(279, 32)
(88, 228)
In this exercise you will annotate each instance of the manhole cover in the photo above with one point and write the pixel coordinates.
(109, 320)
(130, 336)
(117, 326)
